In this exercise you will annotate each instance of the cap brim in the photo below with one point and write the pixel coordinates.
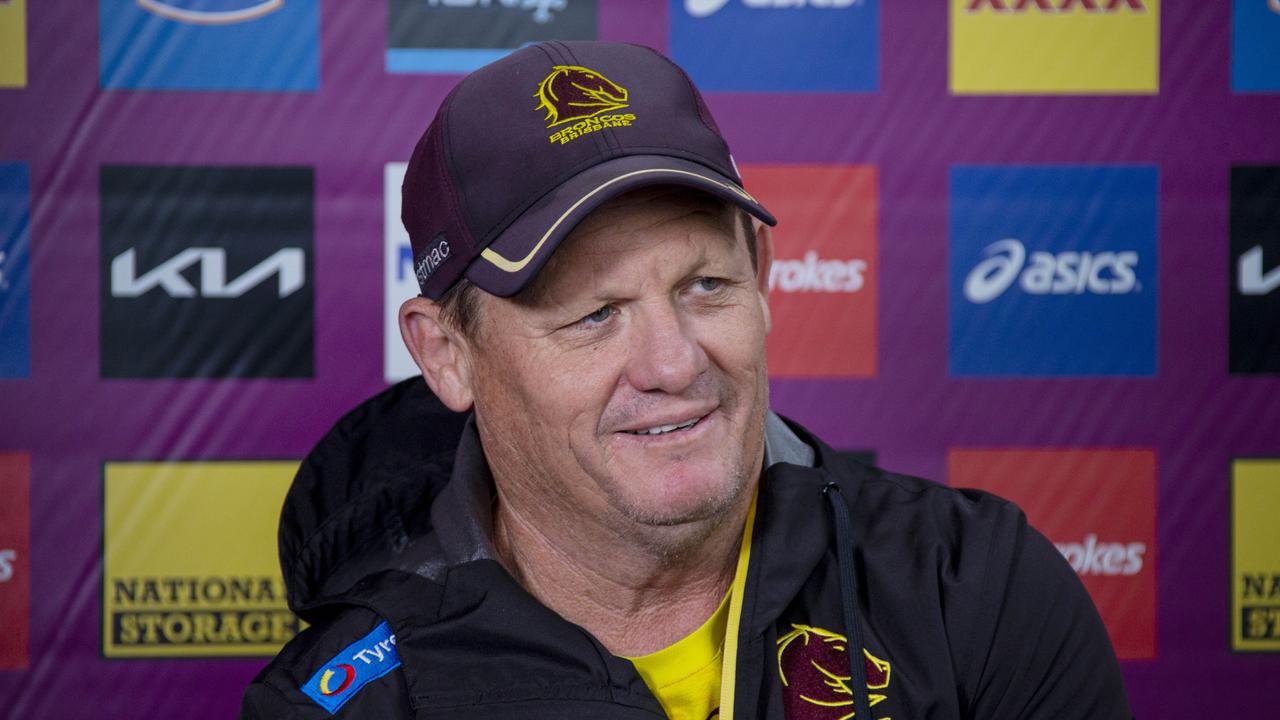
(507, 265)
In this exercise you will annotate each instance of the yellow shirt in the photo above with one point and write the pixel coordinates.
(685, 676)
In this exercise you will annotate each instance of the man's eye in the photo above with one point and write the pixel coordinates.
(598, 316)
(709, 284)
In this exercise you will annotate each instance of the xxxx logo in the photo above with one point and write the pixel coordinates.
(577, 98)
(812, 663)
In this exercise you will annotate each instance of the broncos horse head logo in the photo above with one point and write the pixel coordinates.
(572, 92)
(812, 663)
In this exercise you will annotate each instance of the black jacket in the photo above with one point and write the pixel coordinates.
(964, 611)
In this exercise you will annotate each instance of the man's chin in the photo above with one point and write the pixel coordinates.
(681, 499)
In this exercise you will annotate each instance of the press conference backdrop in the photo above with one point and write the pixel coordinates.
(1029, 246)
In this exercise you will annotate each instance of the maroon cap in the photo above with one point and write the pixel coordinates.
(524, 148)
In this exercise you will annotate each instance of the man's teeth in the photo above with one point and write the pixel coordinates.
(661, 429)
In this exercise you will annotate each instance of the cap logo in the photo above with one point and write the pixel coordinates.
(579, 95)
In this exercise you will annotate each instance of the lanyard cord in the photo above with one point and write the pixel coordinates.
(849, 600)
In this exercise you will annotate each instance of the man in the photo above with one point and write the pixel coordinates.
(625, 530)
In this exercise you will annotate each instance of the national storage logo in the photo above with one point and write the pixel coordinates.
(1254, 254)
(15, 271)
(823, 286)
(1255, 555)
(1093, 47)
(189, 559)
(1098, 507)
(458, 36)
(399, 283)
(13, 43)
(1053, 270)
(206, 272)
(1255, 46)
(778, 45)
(15, 563)
(209, 44)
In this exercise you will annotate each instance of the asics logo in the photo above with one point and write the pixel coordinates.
(1046, 273)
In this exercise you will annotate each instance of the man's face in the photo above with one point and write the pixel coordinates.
(629, 383)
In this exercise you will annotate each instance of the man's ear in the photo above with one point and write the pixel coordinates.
(764, 266)
(441, 353)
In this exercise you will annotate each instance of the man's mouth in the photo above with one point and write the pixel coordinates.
(664, 429)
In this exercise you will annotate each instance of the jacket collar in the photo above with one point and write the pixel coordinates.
(793, 529)
(462, 515)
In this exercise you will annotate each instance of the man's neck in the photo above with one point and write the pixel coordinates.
(634, 596)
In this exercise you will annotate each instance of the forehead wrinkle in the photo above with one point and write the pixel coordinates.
(583, 253)
(643, 211)
(609, 274)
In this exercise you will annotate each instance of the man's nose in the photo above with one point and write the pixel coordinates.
(665, 353)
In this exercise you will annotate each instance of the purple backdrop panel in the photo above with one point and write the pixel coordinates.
(901, 124)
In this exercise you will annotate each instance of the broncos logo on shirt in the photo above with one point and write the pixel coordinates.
(812, 663)
(573, 92)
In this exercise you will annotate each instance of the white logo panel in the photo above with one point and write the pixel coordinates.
(399, 281)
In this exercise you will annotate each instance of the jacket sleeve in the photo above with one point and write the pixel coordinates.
(279, 689)
(1049, 656)
(261, 702)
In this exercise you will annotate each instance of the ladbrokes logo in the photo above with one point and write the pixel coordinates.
(15, 568)
(814, 274)
(575, 93)
(222, 253)
(1098, 509)
(813, 665)
(189, 565)
(1254, 253)
(458, 36)
(1053, 270)
(1094, 557)
(823, 282)
(1055, 46)
(1255, 567)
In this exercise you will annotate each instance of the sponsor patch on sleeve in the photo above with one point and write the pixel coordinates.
(357, 665)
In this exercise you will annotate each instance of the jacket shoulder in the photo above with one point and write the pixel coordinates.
(363, 494)
(346, 666)
(999, 583)
(952, 512)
